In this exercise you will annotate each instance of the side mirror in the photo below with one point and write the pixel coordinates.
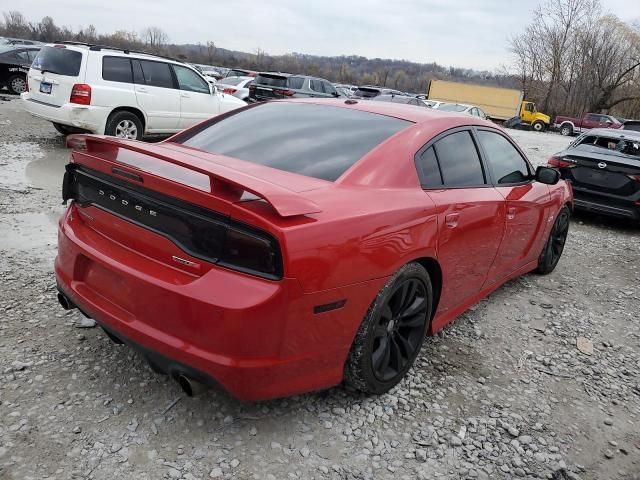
(547, 175)
(335, 94)
(608, 122)
(214, 89)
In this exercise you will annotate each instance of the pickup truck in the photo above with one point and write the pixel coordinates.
(572, 126)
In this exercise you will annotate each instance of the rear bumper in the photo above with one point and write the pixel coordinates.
(87, 117)
(605, 204)
(256, 338)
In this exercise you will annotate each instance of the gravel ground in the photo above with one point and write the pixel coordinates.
(504, 392)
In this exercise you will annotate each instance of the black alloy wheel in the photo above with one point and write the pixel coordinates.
(399, 329)
(392, 332)
(554, 247)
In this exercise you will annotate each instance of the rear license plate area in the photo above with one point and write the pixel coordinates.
(109, 285)
(45, 87)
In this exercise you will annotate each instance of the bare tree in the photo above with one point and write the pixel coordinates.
(155, 38)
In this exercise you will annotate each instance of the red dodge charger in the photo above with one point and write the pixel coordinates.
(288, 246)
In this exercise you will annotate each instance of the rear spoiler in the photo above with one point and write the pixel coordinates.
(285, 202)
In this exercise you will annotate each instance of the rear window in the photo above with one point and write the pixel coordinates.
(314, 140)
(367, 92)
(271, 80)
(237, 73)
(61, 61)
(626, 146)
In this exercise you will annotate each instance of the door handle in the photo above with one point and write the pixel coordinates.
(452, 220)
(184, 95)
(511, 213)
(141, 90)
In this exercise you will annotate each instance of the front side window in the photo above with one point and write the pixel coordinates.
(593, 118)
(459, 160)
(157, 74)
(316, 86)
(328, 88)
(190, 81)
(318, 141)
(117, 69)
(506, 163)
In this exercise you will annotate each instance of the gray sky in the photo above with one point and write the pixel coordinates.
(464, 33)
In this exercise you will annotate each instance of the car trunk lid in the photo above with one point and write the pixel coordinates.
(177, 208)
(609, 173)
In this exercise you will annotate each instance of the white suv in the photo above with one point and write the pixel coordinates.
(117, 92)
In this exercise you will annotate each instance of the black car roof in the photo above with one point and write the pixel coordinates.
(614, 133)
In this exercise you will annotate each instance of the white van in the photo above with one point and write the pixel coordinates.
(126, 94)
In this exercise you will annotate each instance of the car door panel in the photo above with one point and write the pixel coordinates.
(471, 214)
(527, 208)
(471, 224)
(526, 203)
(197, 103)
(156, 96)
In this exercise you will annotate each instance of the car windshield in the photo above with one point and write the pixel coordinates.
(318, 141)
(58, 60)
(625, 146)
(452, 107)
(367, 92)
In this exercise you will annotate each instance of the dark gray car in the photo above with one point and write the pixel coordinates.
(270, 86)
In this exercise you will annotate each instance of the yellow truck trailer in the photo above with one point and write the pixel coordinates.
(498, 103)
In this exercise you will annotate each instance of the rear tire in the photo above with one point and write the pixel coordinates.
(554, 246)
(392, 332)
(124, 124)
(566, 130)
(17, 84)
(538, 126)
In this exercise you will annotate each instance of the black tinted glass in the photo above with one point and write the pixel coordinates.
(429, 170)
(61, 61)
(138, 76)
(157, 74)
(117, 69)
(506, 163)
(271, 80)
(459, 160)
(296, 82)
(313, 140)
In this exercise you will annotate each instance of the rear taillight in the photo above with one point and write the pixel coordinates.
(251, 252)
(634, 177)
(557, 163)
(81, 94)
(230, 90)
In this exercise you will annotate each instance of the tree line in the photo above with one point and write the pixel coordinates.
(572, 58)
(575, 58)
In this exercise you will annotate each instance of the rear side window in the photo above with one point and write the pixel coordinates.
(505, 162)
(318, 141)
(60, 61)
(296, 82)
(157, 74)
(428, 169)
(271, 80)
(117, 69)
(459, 161)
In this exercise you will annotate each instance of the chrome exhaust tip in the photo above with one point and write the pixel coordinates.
(65, 302)
(190, 387)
